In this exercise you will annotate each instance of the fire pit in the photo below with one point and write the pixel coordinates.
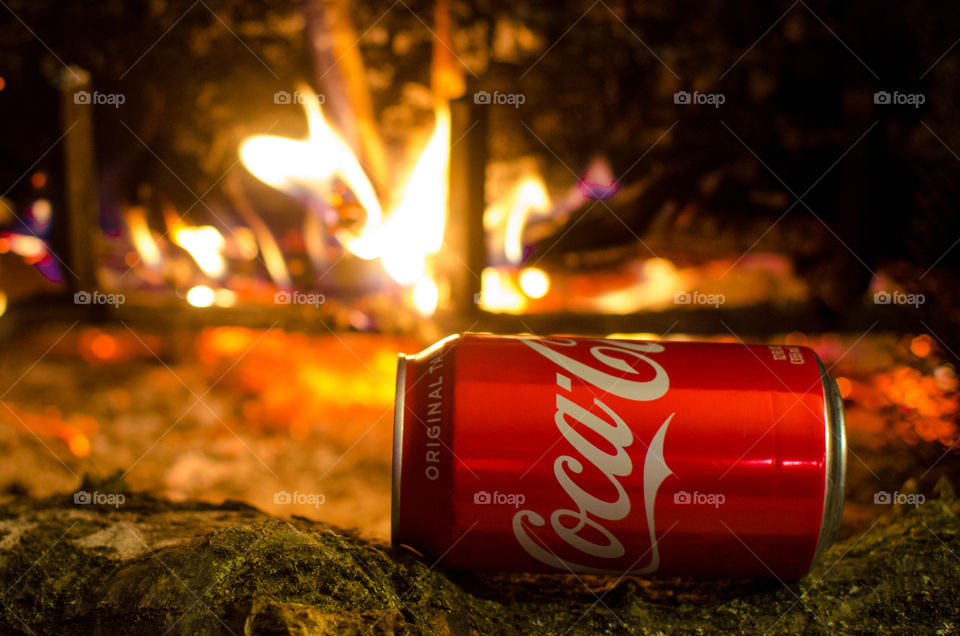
(220, 223)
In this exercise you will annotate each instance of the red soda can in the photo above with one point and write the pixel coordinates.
(613, 456)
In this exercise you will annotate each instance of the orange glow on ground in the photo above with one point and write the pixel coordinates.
(921, 346)
(79, 444)
(103, 346)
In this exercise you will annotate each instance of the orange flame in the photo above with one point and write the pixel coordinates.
(142, 238)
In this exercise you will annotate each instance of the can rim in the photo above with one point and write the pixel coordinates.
(836, 463)
(398, 409)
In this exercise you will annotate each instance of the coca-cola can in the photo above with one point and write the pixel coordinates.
(617, 456)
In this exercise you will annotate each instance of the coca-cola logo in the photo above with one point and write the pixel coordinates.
(588, 510)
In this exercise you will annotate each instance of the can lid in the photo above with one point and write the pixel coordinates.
(836, 463)
(398, 410)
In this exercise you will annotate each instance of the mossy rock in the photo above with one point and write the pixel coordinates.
(153, 566)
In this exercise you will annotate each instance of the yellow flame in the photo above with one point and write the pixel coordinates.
(500, 293)
(246, 242)
(141, 237)
(530, 195)
(308, 165)
(205, 244)
(659, 282)
(201, 296)
(534, 282)
(408, 235)
(503, 288)
(415, 229)
(28, 246)
(224, 298)
(426, 296)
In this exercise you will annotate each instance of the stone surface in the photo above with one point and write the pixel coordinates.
(154, 566)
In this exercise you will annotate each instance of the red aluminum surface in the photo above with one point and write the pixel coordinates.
(598, 455)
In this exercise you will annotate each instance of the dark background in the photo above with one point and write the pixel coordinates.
(799, 114)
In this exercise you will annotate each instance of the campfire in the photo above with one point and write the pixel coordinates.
(360, 224)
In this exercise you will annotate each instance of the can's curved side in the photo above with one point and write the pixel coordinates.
(398, 409)
(836, 463)
(411, 526)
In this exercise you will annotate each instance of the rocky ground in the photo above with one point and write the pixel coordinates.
(154, 566)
